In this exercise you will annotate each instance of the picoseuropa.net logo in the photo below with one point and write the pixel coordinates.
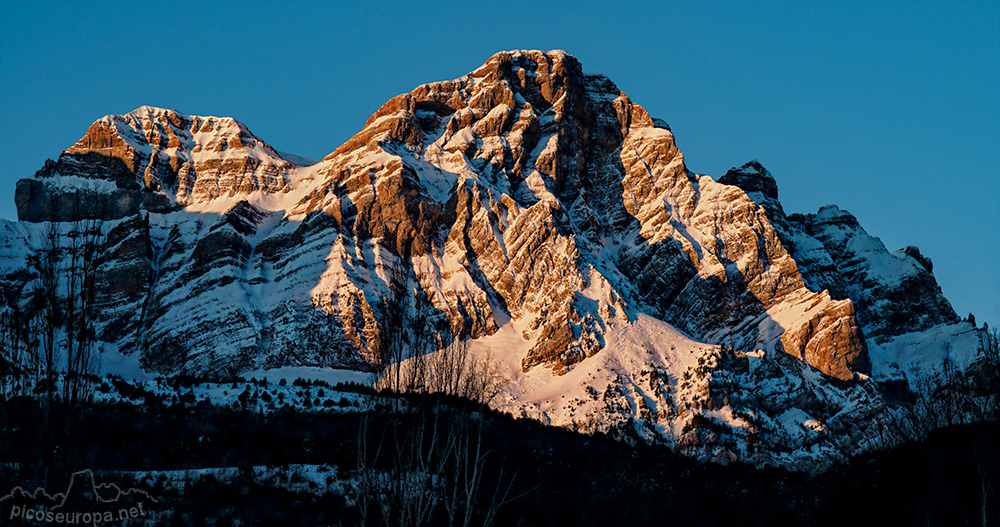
(85, 502)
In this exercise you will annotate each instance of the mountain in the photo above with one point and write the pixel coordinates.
(530, 211)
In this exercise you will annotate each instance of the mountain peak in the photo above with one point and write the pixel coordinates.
(752, 177)
(148, 128)
(153, 156)
(554, 61)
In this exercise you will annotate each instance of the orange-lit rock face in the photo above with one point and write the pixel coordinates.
(195, 159)
(103, 138)
(514, 166)
(831, 341)
(525, 191)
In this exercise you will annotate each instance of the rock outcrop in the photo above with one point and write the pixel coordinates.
(151, 159)
(894, 293)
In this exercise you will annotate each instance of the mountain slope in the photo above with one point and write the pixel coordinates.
(529, 209)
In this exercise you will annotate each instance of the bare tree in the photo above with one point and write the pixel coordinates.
(953, 396)
(17, 353)
(990, 342)
(45, 306)
(986, 445)
(429, 466)
(426, 463)
(986, 451)
(81, 361)
(18, 344)
(399, 319)
(45, 321)
(60, 306)
(452, 370)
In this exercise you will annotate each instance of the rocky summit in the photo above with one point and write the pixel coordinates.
(529, 211)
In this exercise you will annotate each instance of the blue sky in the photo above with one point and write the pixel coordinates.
(889, 110)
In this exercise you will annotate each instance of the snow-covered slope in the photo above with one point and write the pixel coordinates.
(529, 209)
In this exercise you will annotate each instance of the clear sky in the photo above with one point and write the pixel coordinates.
(889, 110)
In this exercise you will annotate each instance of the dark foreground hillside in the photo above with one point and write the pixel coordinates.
(431, 461)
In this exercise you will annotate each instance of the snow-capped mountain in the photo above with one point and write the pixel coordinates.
(530, 210)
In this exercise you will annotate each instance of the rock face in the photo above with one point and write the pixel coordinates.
(831, 338)
(150, 159)
(894, 293)
(96, 187)
(526, 200)
(535, 180)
